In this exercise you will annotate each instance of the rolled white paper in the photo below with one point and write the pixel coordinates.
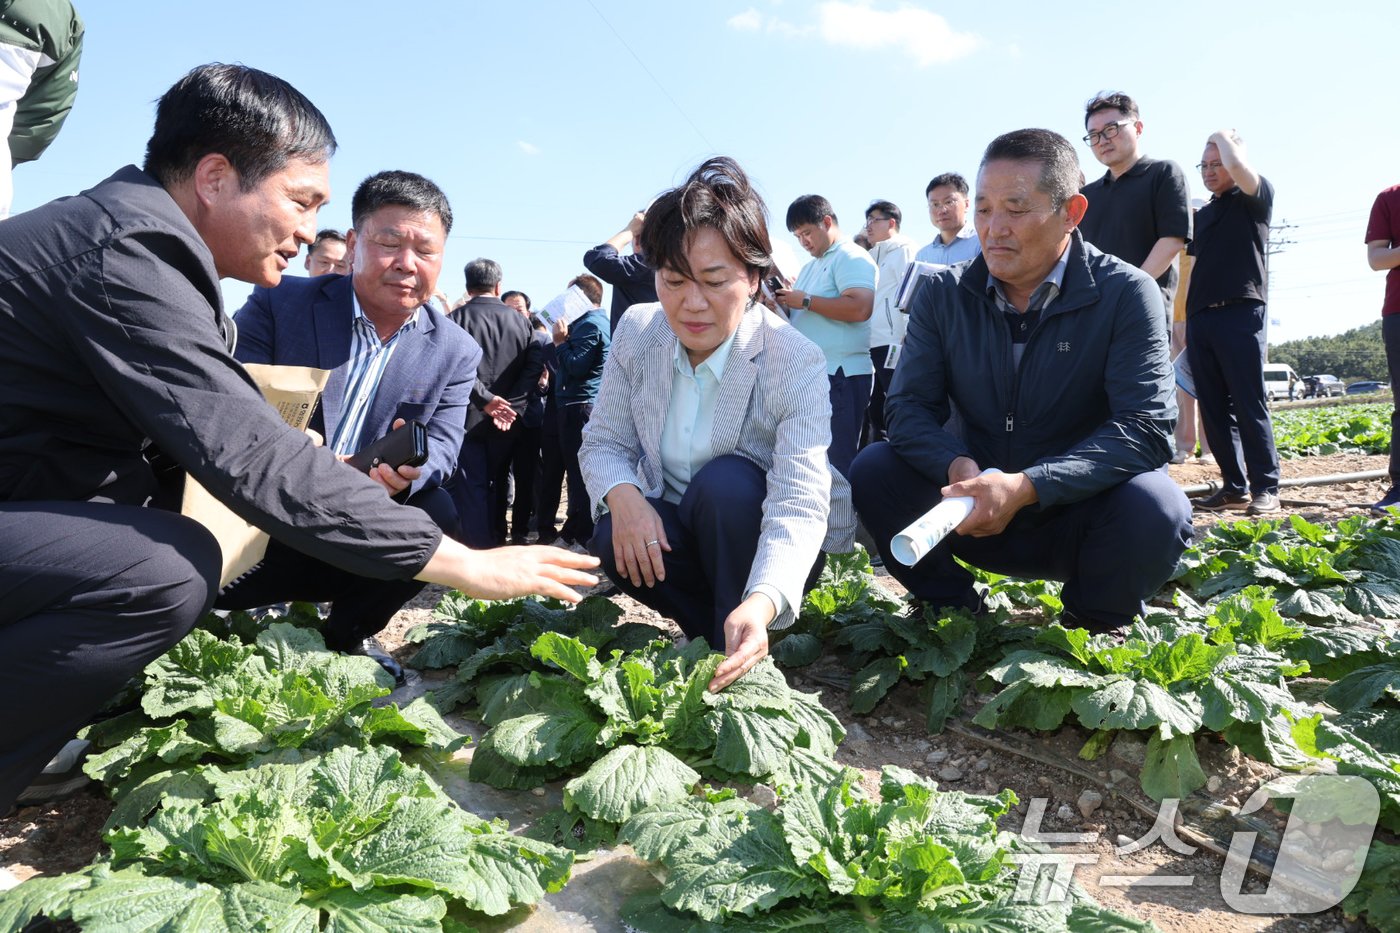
(913, 543)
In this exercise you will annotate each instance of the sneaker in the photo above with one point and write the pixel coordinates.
(1390, 500)
(62, 777)
(1263, 502)
(1206, 458)
(1226, 500)
(1179, 457)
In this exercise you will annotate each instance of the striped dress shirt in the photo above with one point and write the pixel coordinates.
(369, 357)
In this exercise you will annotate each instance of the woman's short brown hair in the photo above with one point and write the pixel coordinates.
(716, 195)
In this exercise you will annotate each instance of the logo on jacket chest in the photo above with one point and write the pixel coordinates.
(1062, 346)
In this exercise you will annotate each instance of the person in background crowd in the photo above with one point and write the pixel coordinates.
(41, 42)
(524, 461)
(892, 252)
(632, 279)
(1225, 315)
(947, 208)
(830, 304)
(115, 347)
(580, 351)
(1383, 255)
(707, 444)
(511, 363)
(1140, 210)
(328, 254)
(1056, 357)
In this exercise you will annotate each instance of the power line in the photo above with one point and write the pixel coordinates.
(653, 77)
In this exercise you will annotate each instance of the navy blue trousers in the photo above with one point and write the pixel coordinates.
(483, 464)
(1226, 347)
(578, 523)
(850, 395)
(90, 593)
(713, 533)
(360, 606)
(1111, 551)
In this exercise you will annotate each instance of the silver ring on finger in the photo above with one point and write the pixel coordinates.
(652, 541)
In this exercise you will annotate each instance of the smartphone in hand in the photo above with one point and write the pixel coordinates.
(406, 445)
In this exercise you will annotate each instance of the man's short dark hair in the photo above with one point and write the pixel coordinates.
(399, 189)
(717, 195)
(483, 275)
(1111, 100)
(948, 178)
(255, 120)
(335, 236)
(809, 209)
(1059, 166)
(513, 293)
(887, 208)
(590, 286)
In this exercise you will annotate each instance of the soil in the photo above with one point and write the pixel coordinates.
(65, 836)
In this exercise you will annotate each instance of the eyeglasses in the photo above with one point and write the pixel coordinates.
(1216, 166)
(948, 202)
(1108, 132)
(876, 220)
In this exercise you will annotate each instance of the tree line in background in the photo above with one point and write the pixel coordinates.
(1356, 354)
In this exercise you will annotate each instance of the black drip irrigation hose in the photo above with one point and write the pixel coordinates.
(1211, 486)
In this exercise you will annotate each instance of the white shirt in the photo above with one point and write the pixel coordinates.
(887, 322)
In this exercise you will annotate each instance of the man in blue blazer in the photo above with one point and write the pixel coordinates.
(392, 359)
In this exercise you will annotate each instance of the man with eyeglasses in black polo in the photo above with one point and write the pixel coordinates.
(1140, 210)
(1225, 314)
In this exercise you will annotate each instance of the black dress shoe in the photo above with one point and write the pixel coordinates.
(372, 649)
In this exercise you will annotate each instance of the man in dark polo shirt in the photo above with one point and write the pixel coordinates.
(1225, 313)
(1383, 253)
(1140, 210)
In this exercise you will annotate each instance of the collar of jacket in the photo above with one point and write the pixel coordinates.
(748, 339)
(1080, 289)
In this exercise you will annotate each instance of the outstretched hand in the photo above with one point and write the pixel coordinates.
(510, 572)
(745, 640)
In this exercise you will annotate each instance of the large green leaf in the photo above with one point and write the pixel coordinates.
(753, 742)
(1366, 687)
(1171, 768)
(382, 912)
(743, 866)
(797, 650)
(627, 779)
(563, 733)
(871, 683)
(1137, 704)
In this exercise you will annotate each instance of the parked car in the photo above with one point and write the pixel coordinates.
(1361, 388)
(1277, 378)
(1323, 386)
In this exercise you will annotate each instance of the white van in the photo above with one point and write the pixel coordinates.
(1276, 379)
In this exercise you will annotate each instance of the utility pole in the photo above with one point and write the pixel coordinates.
(1275, 244)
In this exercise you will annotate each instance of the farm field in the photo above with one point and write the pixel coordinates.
(1329, 602)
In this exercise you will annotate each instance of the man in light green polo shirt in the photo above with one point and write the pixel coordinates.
(830, 304)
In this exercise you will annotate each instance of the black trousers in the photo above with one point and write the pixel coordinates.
(1390, 333)
(874, 429)
(360, 606)
(578, 522)
(1112, 550)
(550, 479)
(713, 533)
(90, 593)
(1226, 347)
(522, 467)
(481, 463)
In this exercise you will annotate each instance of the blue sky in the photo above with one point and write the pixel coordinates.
(548, 123)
